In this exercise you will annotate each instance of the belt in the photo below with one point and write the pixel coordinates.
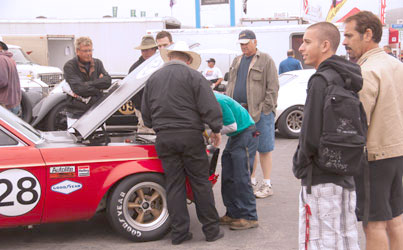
(244, 105)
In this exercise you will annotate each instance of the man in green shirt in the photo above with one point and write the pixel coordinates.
(237, 164)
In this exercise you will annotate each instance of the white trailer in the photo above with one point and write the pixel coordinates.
(113, 39)
(274, 40)
(45, 50)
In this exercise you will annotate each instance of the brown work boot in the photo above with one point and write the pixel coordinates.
(241, 224)
(226, 220)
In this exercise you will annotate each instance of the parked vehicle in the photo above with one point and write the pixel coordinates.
(60, 176)
(27, 69)
(50, 115)
(291, 101)
(33, 90)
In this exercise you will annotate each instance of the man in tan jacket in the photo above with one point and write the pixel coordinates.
(381, 97)
(253, 82)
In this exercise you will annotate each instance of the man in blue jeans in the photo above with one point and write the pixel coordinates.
(237, 163)
(253, 82)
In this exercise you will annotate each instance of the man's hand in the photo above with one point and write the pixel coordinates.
(215, 139)
(101, 75)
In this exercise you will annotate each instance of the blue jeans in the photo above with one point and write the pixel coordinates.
(15, 110)
(266, 128)
(237, 165)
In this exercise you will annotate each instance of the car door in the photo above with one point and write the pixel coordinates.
(22, 182)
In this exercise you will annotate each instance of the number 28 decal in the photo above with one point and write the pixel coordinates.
(20, 191)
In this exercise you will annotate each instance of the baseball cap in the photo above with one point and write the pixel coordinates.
(211, 60)
(245, 36)
(3, 46)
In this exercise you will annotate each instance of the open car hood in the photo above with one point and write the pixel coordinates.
(117, 95)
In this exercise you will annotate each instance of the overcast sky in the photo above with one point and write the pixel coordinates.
(183, 10)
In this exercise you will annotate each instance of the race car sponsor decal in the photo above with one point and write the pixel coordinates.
(62, 172)
(20, 192)
(66, 187)
(83, 171)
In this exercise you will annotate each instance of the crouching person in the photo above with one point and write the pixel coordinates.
(237, 165)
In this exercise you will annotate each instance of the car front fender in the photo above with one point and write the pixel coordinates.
(42, 108)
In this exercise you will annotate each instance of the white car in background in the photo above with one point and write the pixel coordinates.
(27, 69)
(291, 101)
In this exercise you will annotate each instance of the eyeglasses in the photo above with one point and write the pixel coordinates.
(86, 50)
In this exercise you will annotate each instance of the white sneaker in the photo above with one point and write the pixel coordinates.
(255, 188)
(264, 191)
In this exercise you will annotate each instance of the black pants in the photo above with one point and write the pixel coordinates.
(183, 154)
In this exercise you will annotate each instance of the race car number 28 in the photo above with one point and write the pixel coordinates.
(20, 191)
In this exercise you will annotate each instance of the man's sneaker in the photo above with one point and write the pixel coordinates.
(226, 220)
(241, 224)
(255, 188)
(264, 191)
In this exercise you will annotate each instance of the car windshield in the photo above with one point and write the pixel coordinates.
(285, 78)
(19, 56)
(20, 125)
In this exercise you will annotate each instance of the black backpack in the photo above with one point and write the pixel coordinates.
(342, 147)
(344, 130)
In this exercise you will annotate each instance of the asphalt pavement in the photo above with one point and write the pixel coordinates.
(278, 222)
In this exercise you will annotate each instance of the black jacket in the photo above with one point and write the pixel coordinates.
(307, 151)
(85, 83)
(136, 99)
(178, 98)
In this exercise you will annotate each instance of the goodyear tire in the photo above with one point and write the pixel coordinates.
(137, 208)
(57, 119)
(290, 122)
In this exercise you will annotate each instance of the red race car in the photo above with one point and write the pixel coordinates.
(62, 176)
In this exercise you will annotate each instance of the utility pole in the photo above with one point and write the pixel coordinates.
(197, 5)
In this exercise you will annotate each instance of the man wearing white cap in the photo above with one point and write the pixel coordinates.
(177, 102)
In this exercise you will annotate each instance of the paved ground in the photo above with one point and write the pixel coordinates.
(278, 224)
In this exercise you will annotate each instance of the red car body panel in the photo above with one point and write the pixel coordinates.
(107, 164)
(34, 189)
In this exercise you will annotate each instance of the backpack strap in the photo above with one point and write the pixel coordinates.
(332, 77)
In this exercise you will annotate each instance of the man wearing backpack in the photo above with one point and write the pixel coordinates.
(381, 97)
(327, 200)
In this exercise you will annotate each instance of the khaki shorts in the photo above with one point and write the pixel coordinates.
(333, 224)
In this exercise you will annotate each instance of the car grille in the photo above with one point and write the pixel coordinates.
(51, 79)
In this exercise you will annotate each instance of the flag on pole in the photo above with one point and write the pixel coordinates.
(306, 6)
(171, 3)
(383, 6)
(336, 5)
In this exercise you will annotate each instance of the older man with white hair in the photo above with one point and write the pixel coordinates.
(177, 102)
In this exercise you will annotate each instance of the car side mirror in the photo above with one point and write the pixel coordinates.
(226, 76)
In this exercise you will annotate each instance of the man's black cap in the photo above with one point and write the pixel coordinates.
(245, 36)
(211, 60)
(3, 46)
